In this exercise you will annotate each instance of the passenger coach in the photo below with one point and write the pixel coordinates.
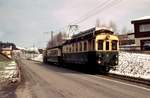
(53, 55)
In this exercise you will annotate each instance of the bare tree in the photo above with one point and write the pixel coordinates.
(113, 26)
(98, 23)
(58, 39)
(124, 30)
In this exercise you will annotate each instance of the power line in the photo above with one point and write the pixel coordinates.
(104, 7)
(108, 4)
(87, 13)
(94, 9)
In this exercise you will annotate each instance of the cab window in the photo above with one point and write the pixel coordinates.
(100, 44)
(114, 45)
(107, 45)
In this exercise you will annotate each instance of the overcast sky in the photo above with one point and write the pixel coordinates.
(24, 22)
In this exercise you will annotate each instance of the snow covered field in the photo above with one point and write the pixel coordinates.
(133, 64)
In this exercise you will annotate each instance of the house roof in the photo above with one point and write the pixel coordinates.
(141, 19)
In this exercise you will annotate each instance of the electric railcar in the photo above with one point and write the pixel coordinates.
(93, 48)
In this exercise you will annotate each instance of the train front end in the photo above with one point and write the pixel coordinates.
(107, 51)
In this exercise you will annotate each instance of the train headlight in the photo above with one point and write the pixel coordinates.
(99, 62)
(116, 56)
(116, 62)
(99, 56)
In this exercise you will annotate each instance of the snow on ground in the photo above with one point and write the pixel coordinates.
(8, 73)
(38, 58)
(133, 64)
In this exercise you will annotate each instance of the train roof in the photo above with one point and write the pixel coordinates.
(87, 34)
(54, 47)
(93, 31)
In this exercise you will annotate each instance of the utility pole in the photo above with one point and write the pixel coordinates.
(52, 41)
(51, 38)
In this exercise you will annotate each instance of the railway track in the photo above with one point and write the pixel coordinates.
(129, 78)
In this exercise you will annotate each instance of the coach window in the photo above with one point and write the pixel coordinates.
(76, 47)
(73, 47)
(93, 41)
(70, 48)
(66, 49)
(100, 44)
(85, 46)
(80, 46)
(89, 45)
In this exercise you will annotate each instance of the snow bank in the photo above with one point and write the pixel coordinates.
(38, 58)
(8, 73)
(133, 64)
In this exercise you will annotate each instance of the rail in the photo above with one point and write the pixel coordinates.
(131, 79)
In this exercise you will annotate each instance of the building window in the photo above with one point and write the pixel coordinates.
(144, 27)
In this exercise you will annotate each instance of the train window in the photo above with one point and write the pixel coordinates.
(85, 46)
(100, 44)
(89, 45)
(66, 49)
(93, 44)
(70, 49)
(76, 47)
(80, 46)
(114, 45)
(107, 45)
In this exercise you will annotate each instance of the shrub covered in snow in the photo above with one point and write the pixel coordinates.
(8, 73)
(38, 58)
(133, 64)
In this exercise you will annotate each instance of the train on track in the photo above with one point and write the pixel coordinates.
(95, 48)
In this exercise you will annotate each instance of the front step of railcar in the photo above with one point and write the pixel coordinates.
(104, 69)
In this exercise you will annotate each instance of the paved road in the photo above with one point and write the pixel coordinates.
(44, 81)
